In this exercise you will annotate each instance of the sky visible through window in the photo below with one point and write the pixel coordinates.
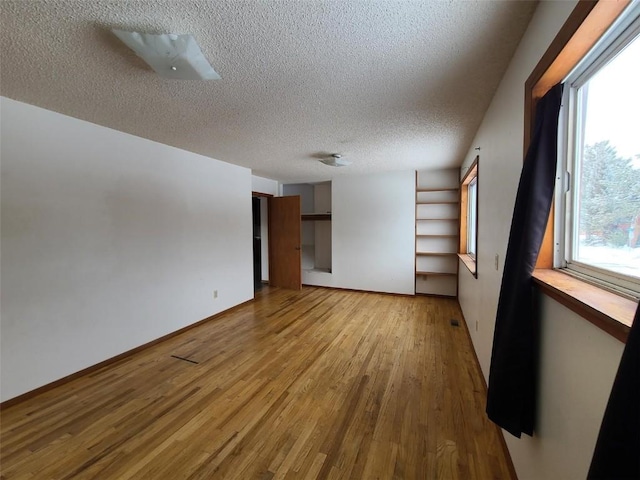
(614, 104)
(608, 230)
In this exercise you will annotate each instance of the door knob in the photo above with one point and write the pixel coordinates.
(297, 248)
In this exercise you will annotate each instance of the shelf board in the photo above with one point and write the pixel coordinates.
(422, 190)
(436, 274)
(318, 270)
(433, 219)
(437, 254)
(422, 235)
(437, 203)
(315, 216)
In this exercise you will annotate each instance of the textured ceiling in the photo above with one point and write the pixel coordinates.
(391, 85)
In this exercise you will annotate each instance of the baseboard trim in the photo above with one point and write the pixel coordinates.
(360, 291)
(435, 295)
(86, 371)
(512, 468)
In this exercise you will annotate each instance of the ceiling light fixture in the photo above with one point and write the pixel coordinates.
(336, 160)
(172, 56)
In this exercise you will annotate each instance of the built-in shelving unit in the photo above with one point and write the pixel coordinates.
(437, 224)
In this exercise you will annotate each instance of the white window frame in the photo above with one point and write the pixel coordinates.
(621, 33)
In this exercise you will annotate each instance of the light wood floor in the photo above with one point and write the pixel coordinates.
(313, 384)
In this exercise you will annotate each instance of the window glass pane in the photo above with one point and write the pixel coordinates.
(607, 217)
(472, 202)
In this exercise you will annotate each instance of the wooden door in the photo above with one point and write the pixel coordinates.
(285, 242)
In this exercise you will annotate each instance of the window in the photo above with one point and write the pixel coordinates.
(469, 218)
(598, 192)
(472, 213)
(582, 30)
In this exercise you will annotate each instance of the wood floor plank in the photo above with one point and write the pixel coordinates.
(316, 384)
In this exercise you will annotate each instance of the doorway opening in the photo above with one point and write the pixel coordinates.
(260, 214)
(257, 244)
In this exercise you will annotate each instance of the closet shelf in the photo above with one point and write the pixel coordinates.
(436, 274)
(422, 190)
(426, 235)
(315, 216)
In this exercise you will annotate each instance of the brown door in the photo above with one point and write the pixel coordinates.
(285, 242)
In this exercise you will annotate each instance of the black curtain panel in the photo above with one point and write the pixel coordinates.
(513, 374)
(617, 453)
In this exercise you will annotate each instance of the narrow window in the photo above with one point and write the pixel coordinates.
(469, 218)
(472, 209)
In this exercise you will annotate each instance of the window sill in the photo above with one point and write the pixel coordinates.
(469, 262)
(606, 310)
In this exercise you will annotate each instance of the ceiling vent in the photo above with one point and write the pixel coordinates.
(172, 56)
(336, 160)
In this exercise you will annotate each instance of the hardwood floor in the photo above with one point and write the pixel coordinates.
(312, 384)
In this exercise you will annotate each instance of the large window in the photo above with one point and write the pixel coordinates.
(598, 195)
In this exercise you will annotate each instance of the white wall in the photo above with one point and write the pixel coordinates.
(108, 242)
(264, 185)
(305, 191)
(579, 361)
(373, 234)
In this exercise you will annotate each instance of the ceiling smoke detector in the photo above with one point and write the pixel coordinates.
(336, 160)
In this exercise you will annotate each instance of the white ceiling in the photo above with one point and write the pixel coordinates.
(391, 85)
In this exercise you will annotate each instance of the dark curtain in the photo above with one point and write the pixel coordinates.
(617, 453)
(513, 374)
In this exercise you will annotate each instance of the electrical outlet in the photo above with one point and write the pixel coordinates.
(215, 294)
(497, 261)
